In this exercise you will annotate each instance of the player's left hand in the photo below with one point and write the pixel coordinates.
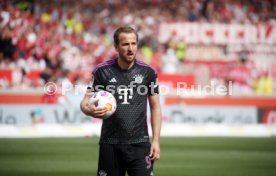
(155, 151)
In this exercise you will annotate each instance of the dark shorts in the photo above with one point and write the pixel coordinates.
(119, 159)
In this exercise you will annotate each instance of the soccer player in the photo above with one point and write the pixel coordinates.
(124, 143)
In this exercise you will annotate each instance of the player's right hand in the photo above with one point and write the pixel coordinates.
(93, 111)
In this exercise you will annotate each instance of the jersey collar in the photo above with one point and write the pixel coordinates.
(125, 70)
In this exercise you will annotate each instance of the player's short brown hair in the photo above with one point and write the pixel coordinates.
(125, 29)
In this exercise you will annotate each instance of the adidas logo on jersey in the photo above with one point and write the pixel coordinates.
(113, 80)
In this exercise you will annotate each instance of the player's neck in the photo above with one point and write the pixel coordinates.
(125, 65)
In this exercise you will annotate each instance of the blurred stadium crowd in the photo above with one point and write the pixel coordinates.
(65, 39)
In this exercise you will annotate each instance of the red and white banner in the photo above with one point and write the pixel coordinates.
(206, 33)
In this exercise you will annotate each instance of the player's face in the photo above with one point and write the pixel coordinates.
(127, 47)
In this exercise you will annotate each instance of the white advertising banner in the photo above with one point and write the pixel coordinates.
(42, 114)
(199, 115)
(31, 121)
(19, 115)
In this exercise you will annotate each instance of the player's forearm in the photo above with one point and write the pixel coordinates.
(84, 102)
(156, 122)
(83, 106)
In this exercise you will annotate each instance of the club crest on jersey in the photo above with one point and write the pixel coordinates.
(138, 78)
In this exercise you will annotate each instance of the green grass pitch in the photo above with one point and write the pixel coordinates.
(179, 156)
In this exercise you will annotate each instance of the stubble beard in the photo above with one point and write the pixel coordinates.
(126, 60)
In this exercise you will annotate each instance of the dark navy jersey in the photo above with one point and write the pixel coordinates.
(130, 88)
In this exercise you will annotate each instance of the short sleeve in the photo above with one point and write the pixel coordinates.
(153, 84)
(94, 82)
